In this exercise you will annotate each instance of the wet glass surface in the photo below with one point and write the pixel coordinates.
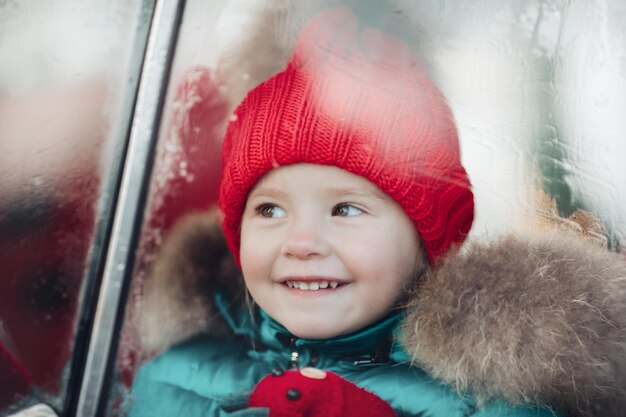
(63, 80)
(537, 90)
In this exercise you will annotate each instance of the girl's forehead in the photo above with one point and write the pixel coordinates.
(332, 179)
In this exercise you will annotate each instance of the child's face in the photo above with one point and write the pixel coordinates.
(335, 233)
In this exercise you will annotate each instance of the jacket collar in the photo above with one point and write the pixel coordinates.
(259, 326)
(363, 342)
(373, 342)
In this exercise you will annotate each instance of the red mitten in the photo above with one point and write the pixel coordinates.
(312, 392)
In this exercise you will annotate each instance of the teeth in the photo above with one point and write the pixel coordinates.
(312, 286)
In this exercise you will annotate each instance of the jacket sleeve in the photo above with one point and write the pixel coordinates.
(151, 398)
(194, 377)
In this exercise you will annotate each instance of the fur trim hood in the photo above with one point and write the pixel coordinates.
(538, 318)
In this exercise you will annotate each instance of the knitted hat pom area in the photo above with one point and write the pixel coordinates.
(357, 99)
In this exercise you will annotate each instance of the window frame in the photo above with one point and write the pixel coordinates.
(119, 215)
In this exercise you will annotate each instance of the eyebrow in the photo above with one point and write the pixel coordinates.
(267, 192)
(359, 192)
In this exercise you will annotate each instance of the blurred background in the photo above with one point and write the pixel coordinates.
(537, 89)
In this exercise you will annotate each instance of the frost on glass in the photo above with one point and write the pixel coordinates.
(537, 90)
(62, 69)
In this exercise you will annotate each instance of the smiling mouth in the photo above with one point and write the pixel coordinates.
(313, 285)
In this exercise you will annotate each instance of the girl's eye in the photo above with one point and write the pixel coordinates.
(270, 211)
(346, 210)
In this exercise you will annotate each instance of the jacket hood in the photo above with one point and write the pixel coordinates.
(537, 318)
(531, 318)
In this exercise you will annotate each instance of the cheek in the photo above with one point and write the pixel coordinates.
(251, 257)
(257, 254)
(387, 251)
(249, 253)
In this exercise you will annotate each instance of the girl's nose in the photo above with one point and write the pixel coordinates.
(305, 240)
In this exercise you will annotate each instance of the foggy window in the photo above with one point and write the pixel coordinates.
(64, 109)
(537, 91)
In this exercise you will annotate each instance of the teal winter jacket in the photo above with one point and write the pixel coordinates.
(191, 379)
(488, 333)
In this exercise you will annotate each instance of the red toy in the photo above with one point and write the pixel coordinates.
(312, 392)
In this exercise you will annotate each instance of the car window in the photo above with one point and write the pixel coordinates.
(68, 77)
(536, 89)
(536, 104)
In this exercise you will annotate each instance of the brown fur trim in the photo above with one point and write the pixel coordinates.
(533, 319)
(177, 300)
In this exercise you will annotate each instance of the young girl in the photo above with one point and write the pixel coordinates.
(343, 199)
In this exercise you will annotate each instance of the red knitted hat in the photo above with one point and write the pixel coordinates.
(358, 100)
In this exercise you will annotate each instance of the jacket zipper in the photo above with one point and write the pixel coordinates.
(295, 355)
